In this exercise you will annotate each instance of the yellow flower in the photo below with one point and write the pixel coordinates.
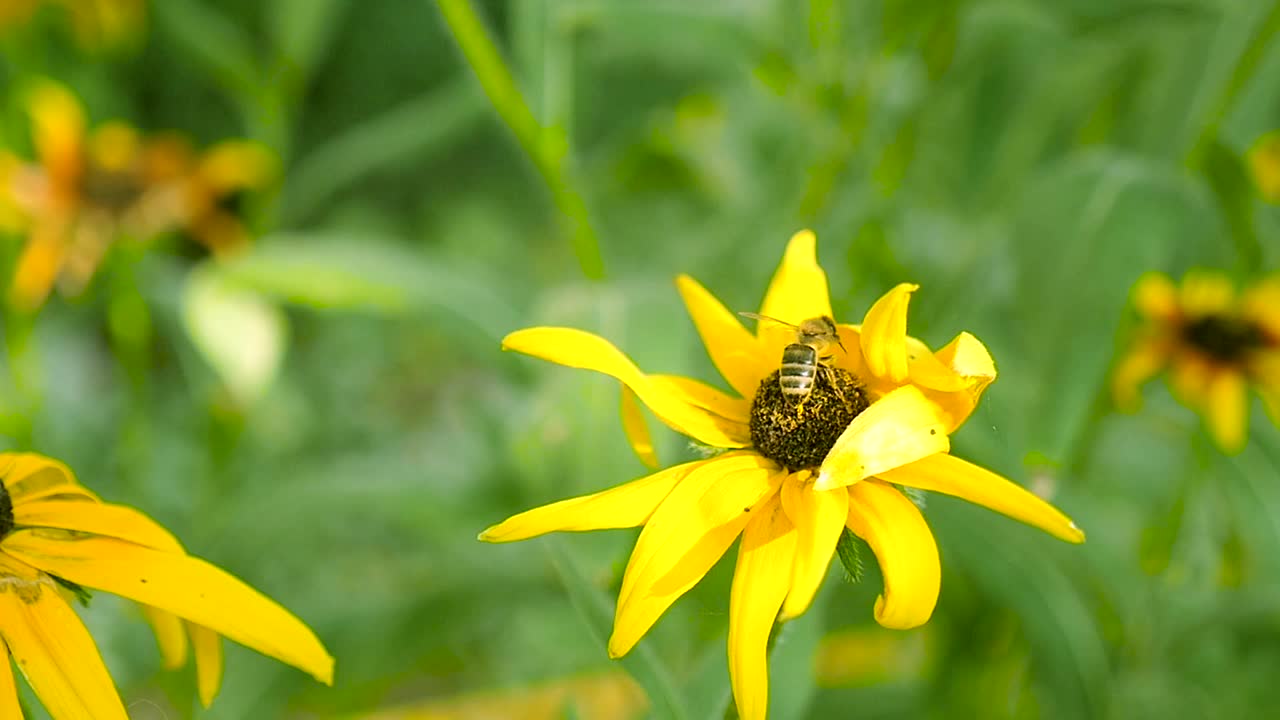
(794, 474)
(1214, 345)
(57, 537)
(1264, 162)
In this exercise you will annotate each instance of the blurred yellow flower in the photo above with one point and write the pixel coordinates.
(1264, 162)
(795, 474)
(97, 23)
(1214, 344)
(57, 538)
(87, 189)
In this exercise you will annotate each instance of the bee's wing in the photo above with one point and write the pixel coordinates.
(756, 316)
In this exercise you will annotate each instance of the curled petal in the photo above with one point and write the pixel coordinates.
(688, 533)
(576, 348)
(733, 349)
(899, 428)
(185, 586)
(170, 634)
(884, 334)
(1146, 358)
(760, 582)
(925, 370)
(624, 506)
(636, 429)
(818, 517)
(797, 292)
(1227, 410)
(950, 475)
(968, 358)
(904, 547)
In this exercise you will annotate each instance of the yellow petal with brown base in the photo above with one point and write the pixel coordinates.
(797, 292)
(53, 649)
(884, 334)
(626, 505)
(760, 582)
(185, 586)
(636, 429)
(1227, 409)
(686, 535)
(733, 349)
(905, 550)
(950, 475)
(897, 429)
(819, 517)
(575, 348)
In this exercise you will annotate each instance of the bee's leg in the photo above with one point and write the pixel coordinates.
(831, 382)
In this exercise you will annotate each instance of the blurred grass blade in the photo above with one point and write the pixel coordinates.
(433, 121)
(210, 39)
(1233, 189)
(547, 147)
(597, 614)
(792, 684)
(303, 28)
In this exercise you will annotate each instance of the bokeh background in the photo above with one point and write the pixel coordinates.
(328, 415)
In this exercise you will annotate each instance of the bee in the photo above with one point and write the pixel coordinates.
(808, 356)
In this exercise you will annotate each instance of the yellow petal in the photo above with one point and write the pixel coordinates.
(41, 260)
(687, 534)
(884, 334)
(626, 505)
(1156, 297)
(1205, 292)
(185, 586)
(575, 348)
(797, 292)
(234, 165)
(904, 547)
(171, 636)
(968, 358)
(1261, 303)
(899, 428)
(636, 429)
(116, 521)
(1147, 357)
(950, 475)
(1189, 376)
(9, 707)
(818, 517)
(1264, 162)
(760, 582)
(53, 649)
(29, 477)
(1227, 410)
(208, 652)
(733, 349)
(734, 412)
(57, 131)
(925, 370)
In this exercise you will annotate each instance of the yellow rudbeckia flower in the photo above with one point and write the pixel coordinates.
(1214, 344)
(795, 474)
(57, 537)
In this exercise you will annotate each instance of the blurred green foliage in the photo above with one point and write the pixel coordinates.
(1024, 162)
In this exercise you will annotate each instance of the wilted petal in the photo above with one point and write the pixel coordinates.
(884, 334)
(733, 349)
(818, 516)
(760, 582)
(950, 475)
(904, 547)
(636, 429)
(899, 428)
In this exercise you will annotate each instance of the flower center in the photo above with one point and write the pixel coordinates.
(6, 511)
(1224, 338)
(109, 189)
(797, 431)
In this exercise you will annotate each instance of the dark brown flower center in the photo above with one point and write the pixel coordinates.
(1224, 338)
(797, 431)
(110, 189)
(6, 511)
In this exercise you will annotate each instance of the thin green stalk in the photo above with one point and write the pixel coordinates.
(547, 147)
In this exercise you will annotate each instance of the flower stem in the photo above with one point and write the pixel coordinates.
(547, 147)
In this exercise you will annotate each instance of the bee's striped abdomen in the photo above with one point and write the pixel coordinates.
(799, 367)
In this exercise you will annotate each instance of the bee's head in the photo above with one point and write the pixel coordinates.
(819, 333)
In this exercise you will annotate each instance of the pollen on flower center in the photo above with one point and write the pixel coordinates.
(798, 432)
(6, 511)
(1223, 338)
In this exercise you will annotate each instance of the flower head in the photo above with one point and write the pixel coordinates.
(796, 471)
(57, 538)
(1214, 344)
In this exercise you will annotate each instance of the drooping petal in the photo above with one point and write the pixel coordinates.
(57, 127)
(29, 477)
(1205, 292)
(636, 429)
(899, 428)
(925, 370)
(884, 334)
(734, 412)
(687, 534)
(576, 348)
(171, 636)
(950, 475)
(53, 649)
(818, 516)
(904, 547)
(185, 586)
(626, 505)
(208, 651)
(1227, 409)
(1147, 357)
(118, 521)
(1156, 297)
(760, 582)
(1261, 304)
(733, 349)
(797, 292)
(9, 707)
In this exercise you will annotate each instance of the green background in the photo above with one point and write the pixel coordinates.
(1024, 162)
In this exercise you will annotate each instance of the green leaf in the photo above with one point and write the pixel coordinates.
(1233, 190)
(849, 550)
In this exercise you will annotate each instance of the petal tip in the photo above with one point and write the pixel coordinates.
(1077, 535)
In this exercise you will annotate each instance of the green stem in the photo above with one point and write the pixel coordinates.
(547, 147)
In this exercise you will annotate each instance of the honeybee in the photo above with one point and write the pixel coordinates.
(809, 355)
